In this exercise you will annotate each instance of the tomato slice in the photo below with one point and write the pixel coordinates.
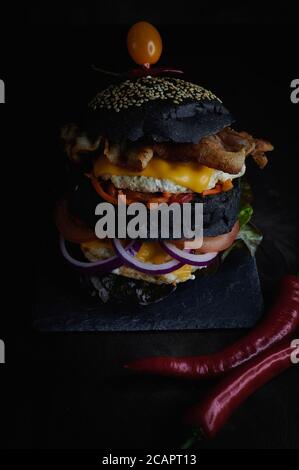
(70, 228)
(181, 198)
(216, 190)
(220, 243)
(98, 187)
(135, 196)
(215, 244)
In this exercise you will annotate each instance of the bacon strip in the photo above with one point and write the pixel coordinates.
(77, 143)
(135, 157)
(225, 151)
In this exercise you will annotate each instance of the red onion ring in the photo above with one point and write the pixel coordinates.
(147, 268)
(186, 257)
(105, 265)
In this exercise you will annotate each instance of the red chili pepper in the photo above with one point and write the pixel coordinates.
(213, 412)
(282, 321)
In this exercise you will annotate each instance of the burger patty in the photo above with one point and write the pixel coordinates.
(219, 214)
(220, 211)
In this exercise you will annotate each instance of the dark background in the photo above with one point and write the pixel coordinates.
(70, 391)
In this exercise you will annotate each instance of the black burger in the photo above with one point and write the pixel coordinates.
(154, 139)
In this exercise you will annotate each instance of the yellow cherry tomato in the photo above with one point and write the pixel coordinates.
(144, 43)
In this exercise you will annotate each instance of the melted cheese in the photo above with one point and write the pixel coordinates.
(152, 252)
(191, 175)
(184, 273)
(96, 244)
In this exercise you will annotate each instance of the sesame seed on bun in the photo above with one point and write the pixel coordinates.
(157, 109)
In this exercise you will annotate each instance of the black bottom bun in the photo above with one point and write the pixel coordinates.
(115, 289)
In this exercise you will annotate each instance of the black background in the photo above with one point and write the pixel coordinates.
(70, 391)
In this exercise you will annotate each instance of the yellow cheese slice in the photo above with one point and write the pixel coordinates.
(191, 175)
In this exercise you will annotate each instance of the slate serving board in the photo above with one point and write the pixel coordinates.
(230, 298)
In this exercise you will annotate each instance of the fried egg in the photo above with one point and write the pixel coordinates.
(149, 184)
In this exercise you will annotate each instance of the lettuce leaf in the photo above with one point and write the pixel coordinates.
(245, 214)
(249, 235)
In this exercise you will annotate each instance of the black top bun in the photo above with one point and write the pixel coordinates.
(159, 109)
